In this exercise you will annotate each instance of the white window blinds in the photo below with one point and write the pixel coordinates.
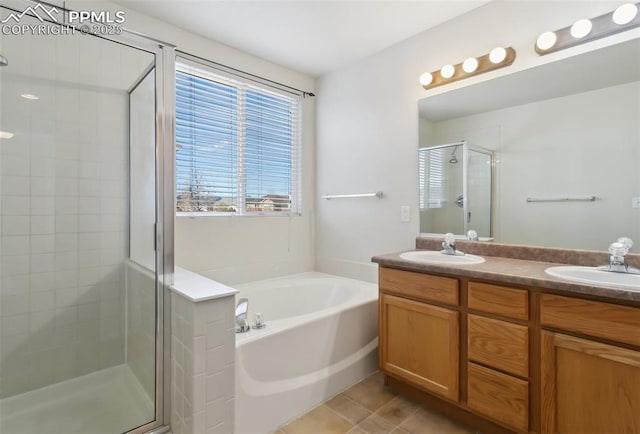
(237, 146)
(431, 178)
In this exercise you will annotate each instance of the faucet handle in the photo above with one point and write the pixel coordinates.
(472, 235)
(626, 242)
(450, 239)
(618, 249)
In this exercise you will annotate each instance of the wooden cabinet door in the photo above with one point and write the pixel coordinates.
(589, 387)
(420, 344)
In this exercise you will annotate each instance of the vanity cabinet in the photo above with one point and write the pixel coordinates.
(589, 386)
(498, 353)
(420, 341)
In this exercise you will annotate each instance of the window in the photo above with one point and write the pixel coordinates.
(431, 178)
(237, 146)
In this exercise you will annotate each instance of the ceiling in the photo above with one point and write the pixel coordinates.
(313, 37)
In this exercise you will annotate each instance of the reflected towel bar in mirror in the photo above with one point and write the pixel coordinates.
(377, 194)
(562, 199)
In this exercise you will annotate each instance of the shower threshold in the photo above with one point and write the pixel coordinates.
(104, 402)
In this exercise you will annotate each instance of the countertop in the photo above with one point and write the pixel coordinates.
(510, 271)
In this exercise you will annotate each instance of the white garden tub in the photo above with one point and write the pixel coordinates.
(321, 337)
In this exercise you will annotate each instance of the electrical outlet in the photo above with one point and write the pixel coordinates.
(405, 213)
(635, 202)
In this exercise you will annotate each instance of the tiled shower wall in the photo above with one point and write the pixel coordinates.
(63, 219)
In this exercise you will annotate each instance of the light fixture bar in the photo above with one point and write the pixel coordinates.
(601, 26)
(485, 64)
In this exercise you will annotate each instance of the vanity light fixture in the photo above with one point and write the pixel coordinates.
(498, 57)
(5, 135)
(623, 18)
(29, 96)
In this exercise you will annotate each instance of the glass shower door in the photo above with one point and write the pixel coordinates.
(78, 211)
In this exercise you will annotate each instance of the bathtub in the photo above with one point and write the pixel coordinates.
(321, 337)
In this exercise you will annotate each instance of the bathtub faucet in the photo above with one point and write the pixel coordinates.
(242, 322)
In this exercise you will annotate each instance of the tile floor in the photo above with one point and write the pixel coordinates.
(370, 407)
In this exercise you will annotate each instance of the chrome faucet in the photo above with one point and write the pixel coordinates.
(449, 245)
(472, 235)
(617, 260)
(242, 322)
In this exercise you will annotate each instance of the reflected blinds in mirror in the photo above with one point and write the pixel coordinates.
(431, 178)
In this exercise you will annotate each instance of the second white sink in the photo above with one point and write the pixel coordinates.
(593, 276)
(434, 257)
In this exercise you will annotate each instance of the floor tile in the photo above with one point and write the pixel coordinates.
(371, 392)
(374, 424)
(356, 430)
(399, 430)
(425, 421)
(320, 420)
(397, 410)
(347, 408)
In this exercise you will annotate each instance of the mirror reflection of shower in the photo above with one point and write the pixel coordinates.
(455, 197)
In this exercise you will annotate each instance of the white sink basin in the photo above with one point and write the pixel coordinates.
(434, 257)
(593, 276)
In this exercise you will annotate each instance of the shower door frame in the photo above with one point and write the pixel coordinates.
(164, 69)
(465, 193)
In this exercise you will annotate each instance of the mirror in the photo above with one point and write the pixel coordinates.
(566, 144)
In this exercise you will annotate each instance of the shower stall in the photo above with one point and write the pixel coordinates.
(455, 183)
(86, 156)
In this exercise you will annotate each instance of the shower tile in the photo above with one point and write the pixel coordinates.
(66, 297)
(41, 225)
(15, 225)
(13, 285)
(66, 205)
(42, 263)
(215, 334)
(15, 245)
(66, 316)
(42, 301)
(89, 169)
(42, 244)
(66, 279)
(14, 265)
(89, 205)
(43, 282)
(66, 169)
(89, 241)
(66, 260)
(66, 242)
(41, 321)
(42, 167)
(15, 325)
(42, 205)
(15, 185)
(89, 187)
(15, 205)
(14, 165)
(66, 224)
(89, 223)
(43, 186)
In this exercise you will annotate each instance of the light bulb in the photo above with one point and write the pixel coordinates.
(581, 28)
(426, 79)
(625, 14)
(447, 71)
(497, 55)
(29, 96)
(470, 65)
(546, 40)
(5, 135)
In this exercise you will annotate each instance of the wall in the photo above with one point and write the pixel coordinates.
(367, 123)
(577, 145)
(64, 191)
(239, 249)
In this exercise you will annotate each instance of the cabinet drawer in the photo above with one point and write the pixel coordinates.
(499, 344)
(418, 285)
(509, 302)
(499, 396)
(604, 320)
